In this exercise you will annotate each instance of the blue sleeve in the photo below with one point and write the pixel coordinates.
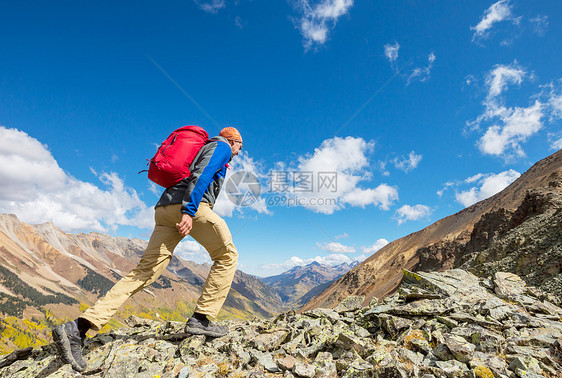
(202, 176)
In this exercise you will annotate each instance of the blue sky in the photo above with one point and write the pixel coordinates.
(417, 109)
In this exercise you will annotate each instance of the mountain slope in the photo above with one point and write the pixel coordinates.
(297, 282)
(474, 238)
(47, 274)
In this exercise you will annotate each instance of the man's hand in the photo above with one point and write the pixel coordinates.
(184, 227)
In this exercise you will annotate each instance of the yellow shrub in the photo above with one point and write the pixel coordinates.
(483, 372)
(415, 334)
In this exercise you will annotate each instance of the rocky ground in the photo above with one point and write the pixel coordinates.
(448, 324)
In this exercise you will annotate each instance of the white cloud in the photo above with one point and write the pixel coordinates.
(382, 196)
(498, 12)
(318, 19)
(417, 212)
(342, 236)
(502, 75)
(391, 52)
(556, 144)
(332, 260)
(422, 73)
(212, 6)
(445, 187)
(37, 190)
(190, 250)
(406, 164)
(336, 170)
(508, 128)
(336, 247)
(155, 189)
(540, 24)
(375, 247)
(489, 184)
(515, 126)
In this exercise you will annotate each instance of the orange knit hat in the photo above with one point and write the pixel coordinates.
(231, 133)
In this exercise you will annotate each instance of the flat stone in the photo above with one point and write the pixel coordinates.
(303, 369)
(287, 362)
(350, 342)
(453, 368)
(442, 352)
(424, 307)
(265, 360)
(508, 285)
(413, 357)
(326, 369)
(269, 341)
(351, 303)
(420, 346)
(459, 347)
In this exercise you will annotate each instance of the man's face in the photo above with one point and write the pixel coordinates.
(235, 146)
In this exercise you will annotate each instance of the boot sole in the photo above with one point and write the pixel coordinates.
(63, 347)
(199, 331)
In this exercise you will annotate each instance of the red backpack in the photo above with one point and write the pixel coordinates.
(171, 163)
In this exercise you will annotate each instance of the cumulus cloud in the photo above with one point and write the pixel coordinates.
(497, 12)
(406, 164)
(318, 19)
(391, 52)
(190, 250)
(487, 185)
(555, 143)
(332, 260)
(507, 128)
(422, 73)
(336, 247)
(332, 177)
(212, 6)
(369, 251)
(416, 212)
(37, 190)
(516, 126)
(375, 247)
(502, 75)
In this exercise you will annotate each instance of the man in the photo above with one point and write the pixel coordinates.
(183, 209)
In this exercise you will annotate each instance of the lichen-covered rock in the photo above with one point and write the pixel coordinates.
(302, 369)
(270, 341)
(265, 360)
(461, 349)
(447, 324)
(351, 303)
(286, 363)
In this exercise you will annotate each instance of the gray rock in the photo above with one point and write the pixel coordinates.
(442, 352)
(265, 360)
(351, 303)
(302, 369)
(453, 368)
(270, 341)
(286, 363)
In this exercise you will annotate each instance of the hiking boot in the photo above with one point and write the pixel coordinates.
(195, 326)
(69, 345)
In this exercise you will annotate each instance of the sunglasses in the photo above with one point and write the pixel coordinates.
(239, 142)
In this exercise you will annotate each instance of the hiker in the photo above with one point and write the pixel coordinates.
(183, 209)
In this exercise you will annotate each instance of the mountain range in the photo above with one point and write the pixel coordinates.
(47, 275)
(518, 230)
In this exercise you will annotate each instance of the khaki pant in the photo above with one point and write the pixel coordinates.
(209, 229)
